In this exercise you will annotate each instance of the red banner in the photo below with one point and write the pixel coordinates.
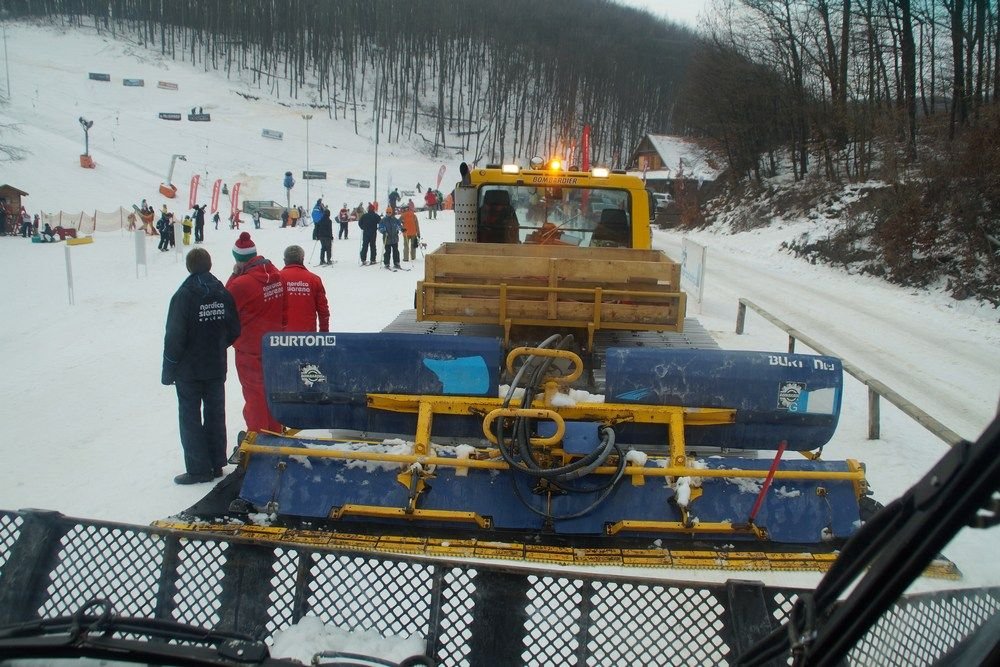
(235, 193)
(193, 196)
(215, 194)
(440, 176)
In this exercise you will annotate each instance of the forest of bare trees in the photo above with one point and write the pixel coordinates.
(899, 97)
(836, 81)
(497, 79)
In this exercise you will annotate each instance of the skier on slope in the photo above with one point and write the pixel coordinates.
(391, 229)
(369, 224)
(323, 232)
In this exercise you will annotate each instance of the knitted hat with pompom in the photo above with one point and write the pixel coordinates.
(244, 250)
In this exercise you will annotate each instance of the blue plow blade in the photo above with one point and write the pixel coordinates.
(322, 380)
(778, 397)
(793, 512)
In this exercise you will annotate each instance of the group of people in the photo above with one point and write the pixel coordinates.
(205, 317)
(393, 229)
(193, 224)
(20, 223)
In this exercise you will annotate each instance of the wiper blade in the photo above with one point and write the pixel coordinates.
(106, 635)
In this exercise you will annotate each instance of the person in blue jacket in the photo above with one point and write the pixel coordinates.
(202, 322)
(391, 229)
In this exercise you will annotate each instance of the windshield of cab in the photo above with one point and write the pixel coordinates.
(563, 215)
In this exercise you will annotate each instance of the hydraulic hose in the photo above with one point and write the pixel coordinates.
(518, 454)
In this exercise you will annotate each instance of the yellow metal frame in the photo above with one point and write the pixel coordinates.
(464, 548)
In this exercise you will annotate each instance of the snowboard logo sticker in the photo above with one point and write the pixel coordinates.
(311, 374)
(789, 396)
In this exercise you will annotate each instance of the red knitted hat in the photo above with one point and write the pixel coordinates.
(244, 250)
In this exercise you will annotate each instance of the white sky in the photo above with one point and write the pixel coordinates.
(81, 405)
(679, 11)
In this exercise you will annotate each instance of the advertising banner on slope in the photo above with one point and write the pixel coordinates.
(193, 196)
(440, 176)
(235, 194)
(693, 258)
(215, 194)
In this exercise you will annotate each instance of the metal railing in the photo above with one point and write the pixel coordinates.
(876, 388)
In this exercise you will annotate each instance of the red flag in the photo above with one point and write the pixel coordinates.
(440, 176)
(235, 193)
(193, 196)
(215, 194)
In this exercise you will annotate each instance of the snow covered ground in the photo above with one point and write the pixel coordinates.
(87, 429)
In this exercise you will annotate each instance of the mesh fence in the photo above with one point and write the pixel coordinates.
(466, 614)
(88, 222)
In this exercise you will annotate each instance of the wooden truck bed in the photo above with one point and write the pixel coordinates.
(552, 286)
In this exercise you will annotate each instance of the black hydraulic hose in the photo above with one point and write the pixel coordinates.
(608, 489)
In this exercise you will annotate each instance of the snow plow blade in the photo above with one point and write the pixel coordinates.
(419, 441)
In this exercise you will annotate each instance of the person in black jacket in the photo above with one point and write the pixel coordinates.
(369, 227)
(199, 222)
(202, 322)
(323, 232)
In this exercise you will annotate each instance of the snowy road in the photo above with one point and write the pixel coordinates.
(945, 362)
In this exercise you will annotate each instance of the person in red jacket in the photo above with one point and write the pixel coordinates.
(305, 296)
(256, 287)
(431, 201)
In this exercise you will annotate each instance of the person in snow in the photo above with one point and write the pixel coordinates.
(394, 199)
(202, 323)
(369, 224)
(163, 227)
(293, 216)
(430, 201)
(216, 218)
(256, 288)
(391, 229)
(411, 233)
(25, 223)
(48, 235)
(305, 296)
(255, 216)
(343, 218)
(187, 224)
(323, 232)
(199, 223)
(317, 211)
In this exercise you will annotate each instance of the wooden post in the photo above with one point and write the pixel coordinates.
(791, 344)
(874, 429)
(741, 316)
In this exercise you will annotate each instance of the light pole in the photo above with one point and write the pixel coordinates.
(307, 117)
(378, 116)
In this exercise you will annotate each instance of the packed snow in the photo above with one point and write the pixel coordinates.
(87, 427)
